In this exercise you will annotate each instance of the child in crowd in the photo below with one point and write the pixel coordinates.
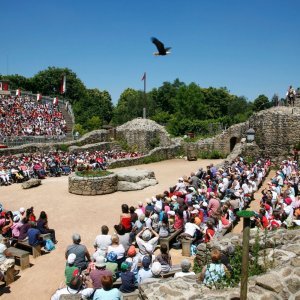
(164, 258)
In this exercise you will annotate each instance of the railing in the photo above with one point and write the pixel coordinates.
(14, 141)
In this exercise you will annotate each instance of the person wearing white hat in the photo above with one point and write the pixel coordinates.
(100, 270)
(70, 267)
(180, 186)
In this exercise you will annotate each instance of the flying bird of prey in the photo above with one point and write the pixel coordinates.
(160, 47)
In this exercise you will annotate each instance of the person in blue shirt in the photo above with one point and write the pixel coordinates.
(34, 238)
(107, 292)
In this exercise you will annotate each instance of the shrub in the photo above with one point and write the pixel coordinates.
(92, 173)
(213, 154)
(62, 147)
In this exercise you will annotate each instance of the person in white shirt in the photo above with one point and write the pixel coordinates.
(103, 240)
(185, 269)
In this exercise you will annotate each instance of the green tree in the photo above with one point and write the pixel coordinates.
(93, 123)
(261, 102)
(18, 81)
(48, 82)
(130, 106)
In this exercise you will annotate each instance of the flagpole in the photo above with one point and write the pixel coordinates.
(145, 97)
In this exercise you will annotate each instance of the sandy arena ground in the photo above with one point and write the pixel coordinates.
(70, 213)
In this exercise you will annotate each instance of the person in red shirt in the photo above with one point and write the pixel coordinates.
(209, 232)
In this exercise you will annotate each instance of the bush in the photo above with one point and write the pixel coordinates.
(92, 173)
(62, 147)
(213, 154)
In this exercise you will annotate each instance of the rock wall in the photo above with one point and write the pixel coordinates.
(282, 247)
(96, 136)
(157, 154)
(122, 180)
(91, 186)
(143, 134)
(277, 130)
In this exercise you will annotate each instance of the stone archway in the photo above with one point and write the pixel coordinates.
(232, 142)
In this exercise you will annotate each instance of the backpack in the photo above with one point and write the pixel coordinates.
(49, 245)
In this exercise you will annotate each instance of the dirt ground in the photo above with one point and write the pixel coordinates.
(69, 213)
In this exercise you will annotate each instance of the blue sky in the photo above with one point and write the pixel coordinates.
(251, 47)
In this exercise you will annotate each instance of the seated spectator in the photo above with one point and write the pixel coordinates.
(82, 254)
(107, 292)
(117, 248)
(164, 258)
(6, 258)
(99, 271)
(163, 229)
(156, 273)
(7, 223)
(209, 232)
(127, 279)
(103, 240)
(185, 269)
(111, 264)
(124, 237)
(24, 229)
(145, 271)
(70, 268)
(133, 214)
(147, 244)
(214, 271)
(133, 260)
(34, 236)
(42, 226)
(125, 218)
(75, 287)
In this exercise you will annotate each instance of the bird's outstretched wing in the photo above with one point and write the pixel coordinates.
(159, 45)
(168, 48)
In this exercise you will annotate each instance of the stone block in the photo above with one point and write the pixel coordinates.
(270, 282)
(33, 182)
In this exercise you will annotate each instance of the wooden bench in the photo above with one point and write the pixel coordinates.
(9, 275)
(21, 255)
(36, 250)
(168, 239)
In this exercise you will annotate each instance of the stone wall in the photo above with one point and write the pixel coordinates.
(282, 247)
(96, 136)
(157, 154)
(93, 186)
(143, 134)
(277, 130)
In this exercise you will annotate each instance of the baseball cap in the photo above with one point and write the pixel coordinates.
(146, 261)
(71, 258)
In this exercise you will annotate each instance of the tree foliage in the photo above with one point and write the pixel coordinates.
(181, 107)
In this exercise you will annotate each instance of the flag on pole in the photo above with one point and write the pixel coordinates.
(55, 101)
(38, 97)
(18, 92)
(0, 86)
(63, 84)
(144, 76)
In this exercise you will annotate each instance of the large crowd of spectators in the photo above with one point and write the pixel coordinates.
(24, 116)
(200, 206)
(17, 168)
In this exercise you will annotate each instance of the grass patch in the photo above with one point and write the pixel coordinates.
(93, 173)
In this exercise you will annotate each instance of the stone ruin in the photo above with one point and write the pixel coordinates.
(143, 134)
